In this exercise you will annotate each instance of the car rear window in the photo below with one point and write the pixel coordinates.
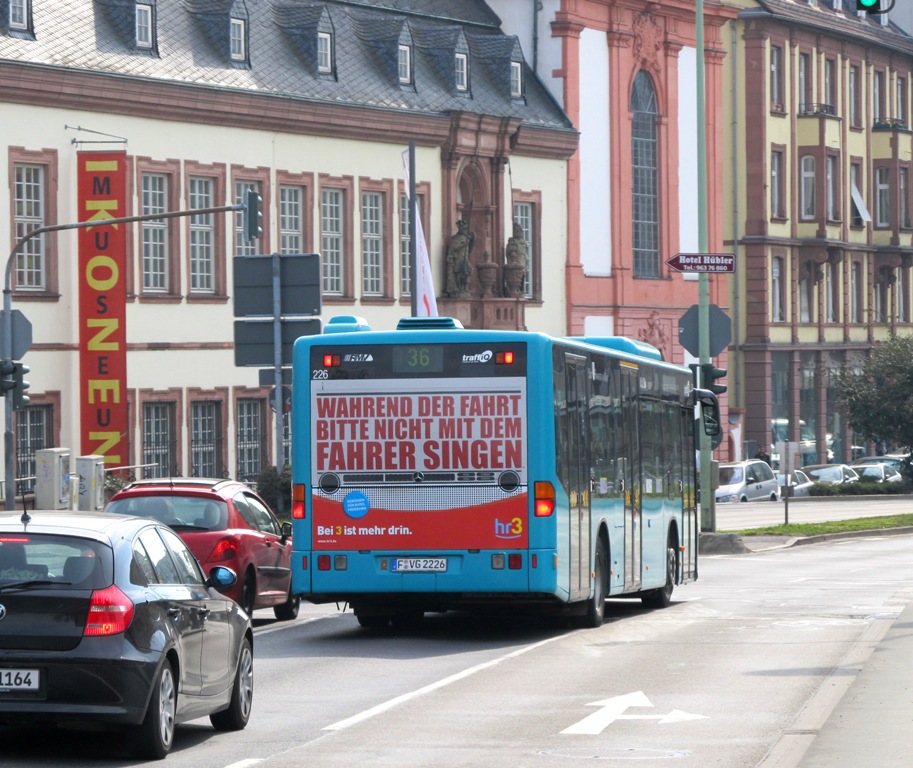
(67, 561)
(183, 512)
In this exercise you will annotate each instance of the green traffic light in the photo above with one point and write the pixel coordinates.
(867, 3)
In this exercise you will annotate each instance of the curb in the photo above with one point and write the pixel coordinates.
(735, 544)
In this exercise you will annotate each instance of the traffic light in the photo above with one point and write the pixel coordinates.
(253, 217)
(20, 399)
(7, 368)
(874, 6)
(709, 374)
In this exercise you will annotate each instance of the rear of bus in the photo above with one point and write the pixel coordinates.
(410, 470)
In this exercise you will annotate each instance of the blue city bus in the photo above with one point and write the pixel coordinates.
(436, 468)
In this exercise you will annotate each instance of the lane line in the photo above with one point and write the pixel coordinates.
(395, 702)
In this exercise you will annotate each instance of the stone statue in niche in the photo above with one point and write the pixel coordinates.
(458, 266)
(655, 333)
(517, 257)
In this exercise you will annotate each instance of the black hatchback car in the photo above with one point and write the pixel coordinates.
(109, 619)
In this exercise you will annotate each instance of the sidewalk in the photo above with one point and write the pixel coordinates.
(872, 723)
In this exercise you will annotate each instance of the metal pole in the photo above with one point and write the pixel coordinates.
(708, 510)
(413, 232)
(277, 371)
(6, 321)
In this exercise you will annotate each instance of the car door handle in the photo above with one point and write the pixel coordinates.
(174, 613)
(203, 612)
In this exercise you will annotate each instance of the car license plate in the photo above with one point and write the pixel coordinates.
(19, 680)
(423, 564)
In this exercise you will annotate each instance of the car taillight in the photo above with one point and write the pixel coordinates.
(110, 613)
(225, 549)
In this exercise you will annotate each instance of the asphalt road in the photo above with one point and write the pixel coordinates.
(741, 671)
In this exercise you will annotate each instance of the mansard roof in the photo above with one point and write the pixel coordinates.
(191, 48)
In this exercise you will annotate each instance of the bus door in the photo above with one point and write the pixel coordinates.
(690, 534)
(632, 476)
(578, 475)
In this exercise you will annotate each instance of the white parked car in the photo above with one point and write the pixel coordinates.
(751, 480)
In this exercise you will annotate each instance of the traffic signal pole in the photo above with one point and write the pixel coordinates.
(708, 510)
(6, 319)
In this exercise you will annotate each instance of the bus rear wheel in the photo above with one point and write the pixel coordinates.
(595, 606)
(660, 598)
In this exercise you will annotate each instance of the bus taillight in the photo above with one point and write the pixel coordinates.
(545, 498)
(298, 493)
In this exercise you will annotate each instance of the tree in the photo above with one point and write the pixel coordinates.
(276, 489)
(876, 394)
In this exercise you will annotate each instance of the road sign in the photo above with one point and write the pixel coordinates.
(720, 330)
(299, 285)
(703, 262)
(254, 339)
(22, 334)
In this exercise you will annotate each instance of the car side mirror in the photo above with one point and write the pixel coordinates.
(286, 529)
(221, 578)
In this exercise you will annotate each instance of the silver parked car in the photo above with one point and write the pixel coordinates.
(799, 483)
(880, 473)
(751, 480)
(831, 473)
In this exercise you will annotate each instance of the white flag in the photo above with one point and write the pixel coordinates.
(425, 304)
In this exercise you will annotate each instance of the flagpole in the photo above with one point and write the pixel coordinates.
(413, 235)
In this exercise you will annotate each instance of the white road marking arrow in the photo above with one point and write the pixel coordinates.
(614, 709)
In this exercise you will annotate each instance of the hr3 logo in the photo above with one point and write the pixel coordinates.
(512, 529)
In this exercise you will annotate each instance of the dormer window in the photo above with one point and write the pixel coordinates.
(143, 25)
(405, 64)
(324, 52)
(19, 14)
(238, 40)
(516, 80)
(461, 70)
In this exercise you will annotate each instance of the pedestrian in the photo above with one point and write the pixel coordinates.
(763, 455)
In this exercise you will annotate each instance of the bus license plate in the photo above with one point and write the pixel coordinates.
(425, 564)
(19, 680)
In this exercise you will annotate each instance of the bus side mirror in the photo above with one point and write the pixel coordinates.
(710, 411)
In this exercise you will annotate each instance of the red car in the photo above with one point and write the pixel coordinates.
(223, 522)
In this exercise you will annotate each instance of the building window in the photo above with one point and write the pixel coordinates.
(143, 25)
(830, 292)
(882, 197)
(291, 219)
(524, 216)
(516, 79)
(324, 53)
(645, 191)
(807, 201)
(881, 301)
(830, 81)
(776, 66)
(903, 197)
(243, 246)
(33, 434)
(372, 243)
(854, 96)
(250, 439)
(776, 185)
(856, 292)
(804, 82)
(777, 314)
(860, 210)
(159, 440)
(20, 10)
(405, 64)
(833, 188)
(331, 239)
(206, 439)
(405, 245)
(238, 40)
(202, 235)
(461, 70)
(901, 107)
(155, 233)
(878, 111)
(805, 312)
(29, 203)
(903, 295)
